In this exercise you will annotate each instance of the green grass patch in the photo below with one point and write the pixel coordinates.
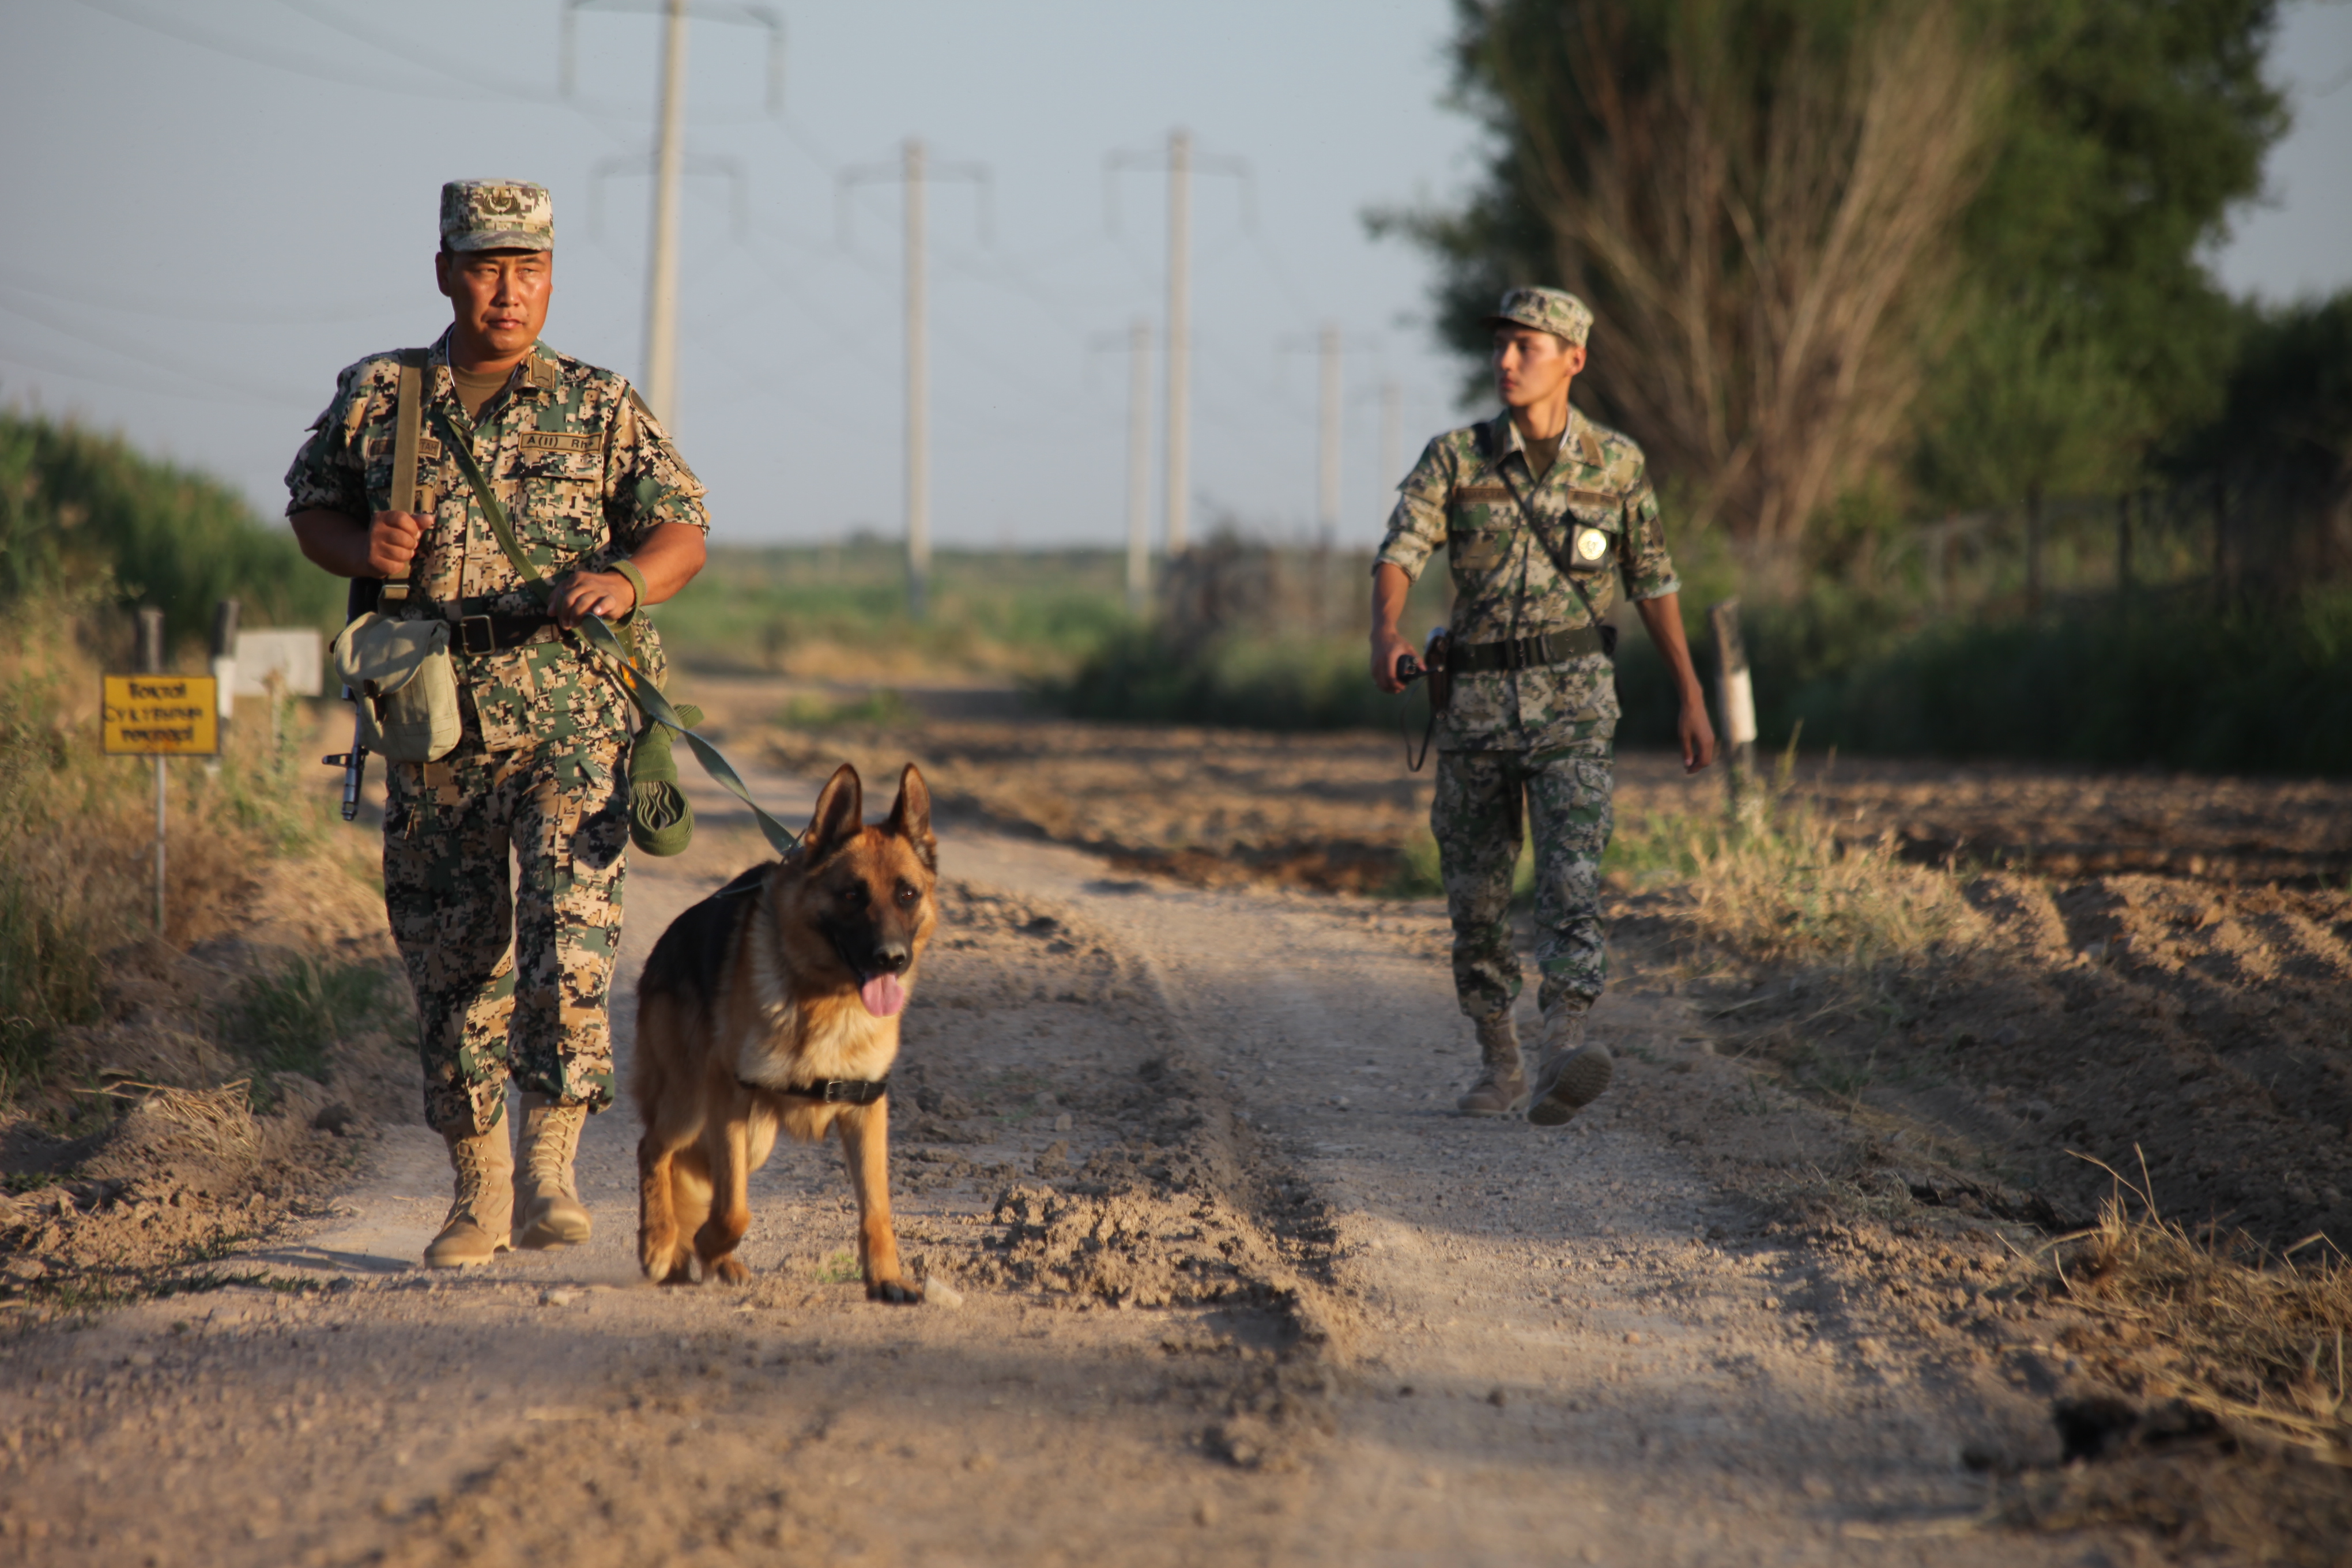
(1237, 682)
(841, 1269)
(883, 707)
(841, 609)
(286, 1023)
(49, 980)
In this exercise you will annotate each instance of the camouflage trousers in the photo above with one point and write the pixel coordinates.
(513, 975)
(1476, 820)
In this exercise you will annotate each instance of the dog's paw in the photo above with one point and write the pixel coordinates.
(898, 1292)
(668, 1266)
(730, 1271)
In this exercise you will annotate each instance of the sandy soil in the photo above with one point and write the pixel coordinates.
(1220, 1278)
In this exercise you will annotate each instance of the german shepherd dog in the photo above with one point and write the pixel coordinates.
(773, 1004)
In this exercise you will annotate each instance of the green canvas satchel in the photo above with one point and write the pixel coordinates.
(407, 689)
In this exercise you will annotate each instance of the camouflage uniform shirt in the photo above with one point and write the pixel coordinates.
(585, 474)
(1508, 585)
(512, 976)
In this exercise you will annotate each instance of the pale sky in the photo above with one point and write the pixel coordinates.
(215, 206)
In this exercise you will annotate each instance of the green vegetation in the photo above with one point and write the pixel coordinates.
(1251, 636)
(50, 936)
(1142, 676)
(842, 608)
(882, 707)
(84, 509)
(48, 979)
(286, 1023)
(2020, 194)
(76, 833)
(1920, 503)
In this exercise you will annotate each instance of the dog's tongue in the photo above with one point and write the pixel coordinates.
(883, 995)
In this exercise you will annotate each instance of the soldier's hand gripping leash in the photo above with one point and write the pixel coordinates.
(1432, 663)
(635, 682)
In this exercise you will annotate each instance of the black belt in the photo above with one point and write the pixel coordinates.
(1529, 653)
(495, 634)
(829, 1090)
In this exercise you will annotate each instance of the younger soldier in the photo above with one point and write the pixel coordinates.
(601, 502)
(1545, 516)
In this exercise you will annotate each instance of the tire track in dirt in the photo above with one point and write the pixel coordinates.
(1545, 1339)
(1260, 1299)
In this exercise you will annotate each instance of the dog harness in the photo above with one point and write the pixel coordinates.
(829, 1090)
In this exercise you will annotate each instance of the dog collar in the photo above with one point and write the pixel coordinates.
(829, 1090)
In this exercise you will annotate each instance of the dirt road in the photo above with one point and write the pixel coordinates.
(1218, 1279)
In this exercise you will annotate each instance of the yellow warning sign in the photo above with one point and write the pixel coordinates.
(161, 715)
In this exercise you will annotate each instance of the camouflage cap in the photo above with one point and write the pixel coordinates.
(497, 214)
(1547, 310)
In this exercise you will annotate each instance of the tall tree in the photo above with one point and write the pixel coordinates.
(2137, 127)
(1753, 195)
(1815, 229)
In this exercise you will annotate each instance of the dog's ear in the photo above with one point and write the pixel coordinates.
(910, 817)
(840, 814)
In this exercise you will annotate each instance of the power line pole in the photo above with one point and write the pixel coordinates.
(1136, 342)
(913, 170)
(1181, 162)
(918, 396)
(1180, 338)
(661, 272)
(658, 385)
(1392, 433)
(1328, 479)
(1329, 346)
(1139, 464)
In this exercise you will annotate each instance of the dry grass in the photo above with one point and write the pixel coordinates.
(77, 836)
(2255, 1339)
(1781, 890)
(213, 1124)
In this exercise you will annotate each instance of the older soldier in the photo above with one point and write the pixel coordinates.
(1545, 516)
(601, 504)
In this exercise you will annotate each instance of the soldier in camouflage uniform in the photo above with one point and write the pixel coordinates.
(1546, 518)
(511, 982)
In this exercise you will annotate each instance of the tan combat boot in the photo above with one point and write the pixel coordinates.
(1502, 1088)
(476, 1230)
(546, 1197)
(1571, 1074)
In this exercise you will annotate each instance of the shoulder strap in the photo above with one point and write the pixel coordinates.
(1536, 528)
(634, 682)
(408, 419)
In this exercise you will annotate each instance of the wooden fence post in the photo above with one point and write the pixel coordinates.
(1735, 698)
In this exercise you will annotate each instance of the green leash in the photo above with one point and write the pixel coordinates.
(635, 682)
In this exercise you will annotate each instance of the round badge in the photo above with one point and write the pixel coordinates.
(1592, 544)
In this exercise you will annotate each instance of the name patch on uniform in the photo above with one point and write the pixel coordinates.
(1590, 498)
(428, 448)
(1479, 495)
(580, 441)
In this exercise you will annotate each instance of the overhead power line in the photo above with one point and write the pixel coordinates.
(200, 376)
(117, 302)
